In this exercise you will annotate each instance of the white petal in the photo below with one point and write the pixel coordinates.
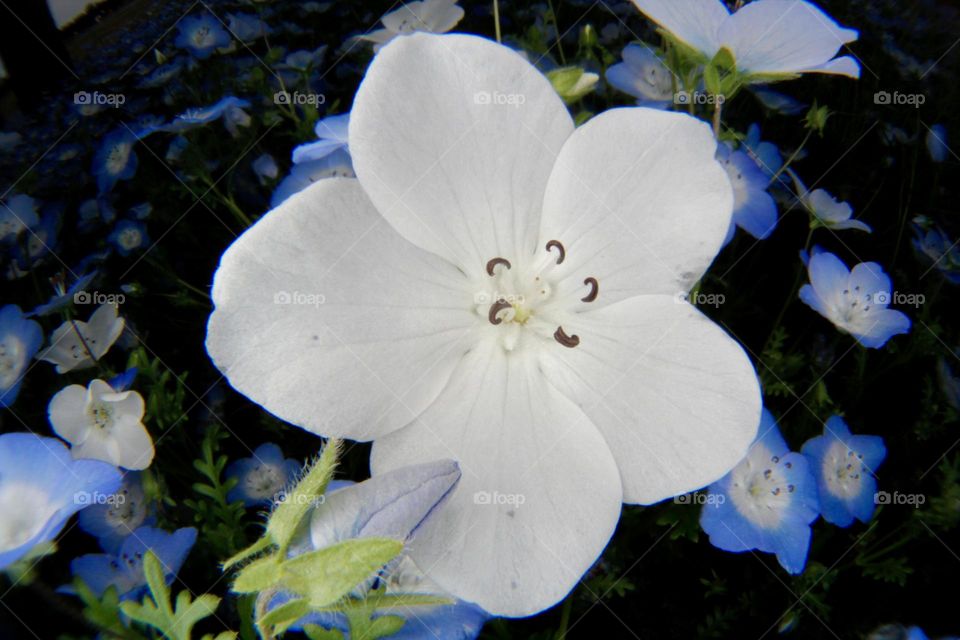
(67, 413)
(332, 321)
(639, 202)
(783, 36)
(539, 496)
(133, 445)
(694, 22)
(842, 66)
(103, 329)
(453, 138)
(676, 398)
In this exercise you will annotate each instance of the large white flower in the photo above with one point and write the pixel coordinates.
(765, 36)
(499, 289)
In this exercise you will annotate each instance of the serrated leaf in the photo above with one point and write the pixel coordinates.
(326, 575)
(259, 575)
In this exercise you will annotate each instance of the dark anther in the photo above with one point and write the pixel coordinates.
(555, 244)
(496, 308)
(568, 341)
(492, 264)
(594, 289)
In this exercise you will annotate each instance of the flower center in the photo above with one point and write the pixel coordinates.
(760, 488)
(101, 415)
(263, 481)
(843, 469)
(854, 303)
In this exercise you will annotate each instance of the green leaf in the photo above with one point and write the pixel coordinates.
(279, 619)
(316, 632)
(572, 83)
(259, 575)
(326, 575)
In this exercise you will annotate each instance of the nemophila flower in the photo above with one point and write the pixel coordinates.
(303, 60)
(262, 476)
(844, 465)
(129, 236)
(265, 168)
(754, 210)
(20, 339)
(102, 423)
(17, 214)
(115, 159)
(936, 248)
(335, 165)
(394, 505)
(502, 289)
(779, 102)
(77, 344)
(765, 154)
(825, 210)
(768, 38)
(41, 486)
(202, 35)
(40, 239)
(246, 27)
(162, 75)
(431, 16)
(123, 381)
(936, 142)
(643, 75)
(230, 109)
(124, 570)
(63, 296)
(854, 301)
(332, 135)
(766, 503)
(113, 518)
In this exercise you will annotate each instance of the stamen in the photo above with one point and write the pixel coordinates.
(492, 264)
(496, 308)
(594, 289)
(568, 341)
(555, 244)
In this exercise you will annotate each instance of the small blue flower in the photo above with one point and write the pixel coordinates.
(332, 135)
(246, 28)
(937, 143)
(779, 102)
(202, 35)
(336, 165)
(936, 248)
(754, 210)
(20, 339)
(765, 154)
(261, 477)
(41, 239)
(123, 381)
(128, 236)
(265, 168)
(115, 159)
(230, 108)
(141, 211)
(825, 210)
(112, 520)
(854, 301)
(766, 503)
(124, 570)
(642, 75)
(63, 296)
(844, 465)
(17, 213)
(41, 486)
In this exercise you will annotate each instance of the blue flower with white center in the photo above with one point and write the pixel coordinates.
(20, 339)
(766, 503)
(128, 236)
(230, 108)
(303, 60)
(63, 296)
(765, 154)
(936, 142)
(115, 159)
(825, 210)
(261, 477)
(336, 165)
(332, 135)
(41, 486)
(642, 75)
(844, 465)
(17, 213)
(201, 36)
(116, 517)
(854, 301)
(754, 210)
(124, 570)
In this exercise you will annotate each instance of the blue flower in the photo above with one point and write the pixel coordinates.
(265, 168)
(854, 301)
(245, 27)
(115, 159)
(20, 339)
(332, 135)
(17, 213)
(754, 210)
(41, 486)
(115, 518)
(124, 570)
(937, 143)
(844, 465)
(336, 165)
(202, 35)
(261, 477)
(41, 239)
(63, 296)
(779, 102)
(123, 381)
(936, 248)
(765, 154)
(128, 236)
(766, 503)
(230, 108)
(825, 210)
(141, 211)
(642, 75)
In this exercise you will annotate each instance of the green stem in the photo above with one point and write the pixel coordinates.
(717, 112)
(790, 298)
(556, 28)
(793, 156)
(496, 18)
(564, 618)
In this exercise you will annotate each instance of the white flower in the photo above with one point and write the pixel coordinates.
(102, 424)
(499, 289)
(77, 344)
(774, 37)
(431, 16)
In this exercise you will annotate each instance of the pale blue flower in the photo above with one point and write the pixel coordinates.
(335, 165)
(262, 477)
(202, 35)
(265, 168)
(20, 339)
(937, 143)
(826, 211)
(230, 108)
(17, 213)
(779, 102)
(246, 27)
(129, 236)
(113, 519)
(332, 135)
(754, 210)
(643, 75)
(115, 159)
(432, 16)
(63, 296)
(765, 154)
